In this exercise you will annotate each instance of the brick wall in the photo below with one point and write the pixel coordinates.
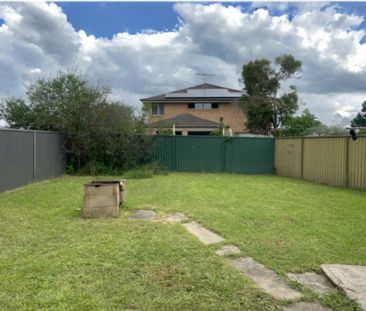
(231, 112)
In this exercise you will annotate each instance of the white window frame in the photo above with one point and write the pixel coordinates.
(159, 109)
(203, 106)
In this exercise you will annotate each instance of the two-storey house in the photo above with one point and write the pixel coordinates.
(196, 110)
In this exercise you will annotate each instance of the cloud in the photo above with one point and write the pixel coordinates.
(37, 40)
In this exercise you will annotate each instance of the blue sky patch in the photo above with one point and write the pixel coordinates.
(104, 19)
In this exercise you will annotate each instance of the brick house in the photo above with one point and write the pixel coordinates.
(196, 110)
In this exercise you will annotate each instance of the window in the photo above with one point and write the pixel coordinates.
(158, 109)
(203, 106)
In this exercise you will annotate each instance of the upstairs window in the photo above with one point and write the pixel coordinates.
(203, 106)
(158, 109)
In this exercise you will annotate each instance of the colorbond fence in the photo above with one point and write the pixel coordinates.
(337, 161)
(216, 154)
(27, 156)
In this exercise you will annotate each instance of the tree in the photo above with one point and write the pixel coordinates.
(97, 132)
(360, 119)
(17, 113)
(332, 130)
(299, 125)
(67, 103)
(221, 129)
(266, 111)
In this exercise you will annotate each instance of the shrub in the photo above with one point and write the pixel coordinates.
(139, 173)
(158, 169)
(101, 136)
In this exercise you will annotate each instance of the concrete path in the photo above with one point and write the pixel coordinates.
(143, 215)
(307, 306)
(318, 283)
(266, 279)
(204, 235)
(352, 279)
(228, 250)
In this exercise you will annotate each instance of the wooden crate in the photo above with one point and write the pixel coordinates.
(102, 198)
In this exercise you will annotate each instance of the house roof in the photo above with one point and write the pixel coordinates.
(202, 92)
(185, 120)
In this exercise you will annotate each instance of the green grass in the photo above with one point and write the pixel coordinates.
(51, 259)
(139, 173)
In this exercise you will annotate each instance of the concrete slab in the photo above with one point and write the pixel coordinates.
(204, 235)
(318, 283)
(175, 217)
(307, 306)
(350, 278)
(228, 250)
(266, 279)
(143, 215)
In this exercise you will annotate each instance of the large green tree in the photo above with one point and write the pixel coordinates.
(360, 119)
(97, 132)
(267, 109)
(304, 124)
(17, 113)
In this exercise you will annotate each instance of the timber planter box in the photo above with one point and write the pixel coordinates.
(103, 198)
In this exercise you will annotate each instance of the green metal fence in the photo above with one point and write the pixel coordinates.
(249, 155)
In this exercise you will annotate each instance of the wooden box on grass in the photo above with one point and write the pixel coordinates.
(102, 198)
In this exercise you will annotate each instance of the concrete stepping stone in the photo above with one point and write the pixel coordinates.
(204, 235)
(318, 283)
(307, 306)
(175, 217)
(266, 279)
(350, 278)
(228, 250)
(143, 215)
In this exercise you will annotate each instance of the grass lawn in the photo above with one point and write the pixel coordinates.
(51, 259)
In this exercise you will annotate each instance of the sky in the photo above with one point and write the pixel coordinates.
(144, 49)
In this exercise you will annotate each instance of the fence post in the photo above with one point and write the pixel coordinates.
(347, 163)
(302, 159)
(34, 155)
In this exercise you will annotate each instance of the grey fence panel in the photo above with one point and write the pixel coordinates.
(49, 156)
(27, 156)
(16, 159)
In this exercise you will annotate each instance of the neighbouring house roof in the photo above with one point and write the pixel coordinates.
(185, 120)
(203, 92)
